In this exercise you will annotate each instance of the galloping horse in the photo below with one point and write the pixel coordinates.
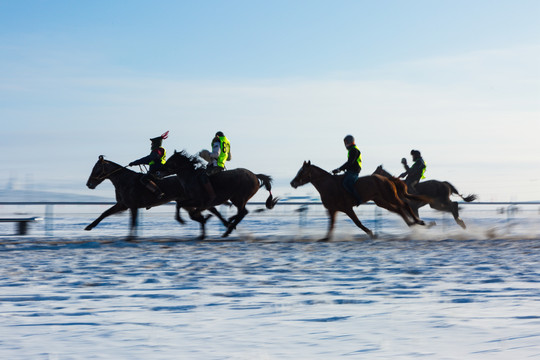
(335, 198)
(236, 186)
(130, 192)
(438, 191)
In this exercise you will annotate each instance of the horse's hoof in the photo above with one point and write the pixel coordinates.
(88, 228)
(324, 239)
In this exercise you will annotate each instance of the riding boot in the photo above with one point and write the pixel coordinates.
(210, 191)
(155, 189)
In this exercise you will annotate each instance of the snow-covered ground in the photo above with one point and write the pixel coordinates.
(272, 291)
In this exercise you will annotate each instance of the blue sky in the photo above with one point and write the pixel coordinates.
(285, 81)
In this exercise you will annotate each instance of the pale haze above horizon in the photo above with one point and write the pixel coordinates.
(284, 80)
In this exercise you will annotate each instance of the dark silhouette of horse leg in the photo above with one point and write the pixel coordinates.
(196, 215)
(455, 213)
(331, 223)
(214, 211)
(116, 208)
(177, 216)
(235, 220)
(133, 224)
(393, 208)
(451, 207)
(413, 213)
(358, 223)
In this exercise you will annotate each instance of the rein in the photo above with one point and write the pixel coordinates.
(103, 176)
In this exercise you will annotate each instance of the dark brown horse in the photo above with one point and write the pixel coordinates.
(130, 192)
(236, 186)
(335, 198)
(438, 192)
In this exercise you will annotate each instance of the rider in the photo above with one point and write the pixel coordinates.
(221, 152)
(414, 173)
(352, 167)
(155, 160)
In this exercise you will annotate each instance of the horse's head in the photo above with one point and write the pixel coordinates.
(303, 176)
(380, 171)
(101, 171)
(96, 176)
(180, 162)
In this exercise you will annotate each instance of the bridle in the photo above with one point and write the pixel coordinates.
(103, 174)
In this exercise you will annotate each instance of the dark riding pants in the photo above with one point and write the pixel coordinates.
(348, 183)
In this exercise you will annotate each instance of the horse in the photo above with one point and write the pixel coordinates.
(438, 192)
(236, 186)
(335, 198)
(130, 192)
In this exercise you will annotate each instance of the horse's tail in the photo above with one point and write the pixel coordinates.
(266, 181)
(469, 198)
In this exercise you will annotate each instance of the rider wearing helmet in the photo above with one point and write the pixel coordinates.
(352, 167)
(155, 160)
(414, 173)
(221, 152)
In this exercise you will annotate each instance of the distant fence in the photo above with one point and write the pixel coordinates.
(509, 209)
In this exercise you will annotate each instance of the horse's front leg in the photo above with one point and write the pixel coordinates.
(133, 224)
(177, 216)
(332, 221)
(358, 223)
(116, 208)
(197, 216)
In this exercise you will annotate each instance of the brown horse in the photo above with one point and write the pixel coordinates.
(335, 198)
(438, 192)
(130, 192)
(236, 186)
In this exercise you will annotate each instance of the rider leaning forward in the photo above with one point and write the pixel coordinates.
(155, 160)
(352, 167)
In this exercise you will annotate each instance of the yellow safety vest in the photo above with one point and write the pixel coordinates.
(162, 159)
(225, 147)
(359, 160)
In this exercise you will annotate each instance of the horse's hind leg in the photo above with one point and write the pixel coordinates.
(177, 215)
(116, 208)
(235, 220)
(358, 223)
(451, 207)
(198, 217)
(414, 213)
(455, 213)
(395, 209)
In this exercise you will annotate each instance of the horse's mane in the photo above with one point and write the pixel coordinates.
(190, 160)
